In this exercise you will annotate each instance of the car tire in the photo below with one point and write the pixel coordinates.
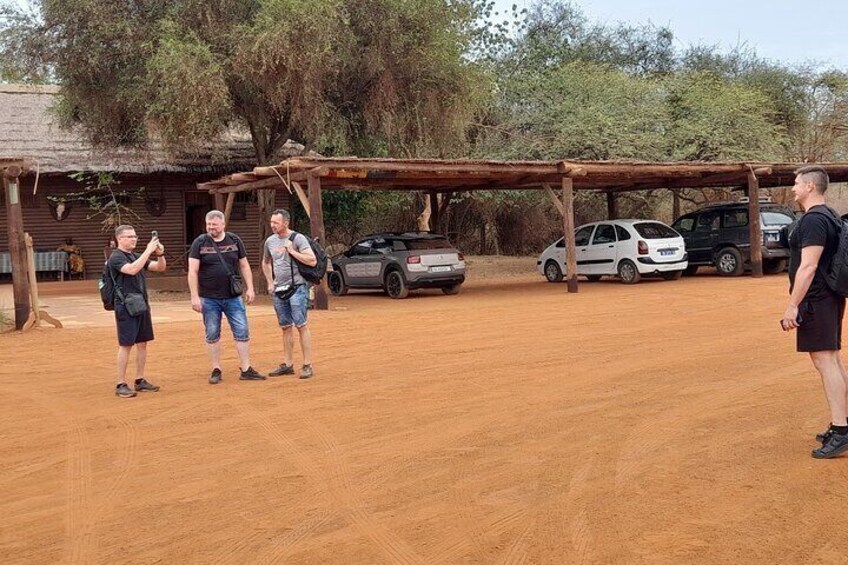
(728, 262)
(672, 275)
(395, 285)
(593, 278)
(690, 270)
(774, 266)
(628, 273)
(336, 283)
(451, 290)
(552, 271)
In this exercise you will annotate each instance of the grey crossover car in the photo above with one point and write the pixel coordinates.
(398, 263)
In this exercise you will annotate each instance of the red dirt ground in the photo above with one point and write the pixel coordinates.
(667, 422)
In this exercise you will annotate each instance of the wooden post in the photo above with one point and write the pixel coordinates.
(219, 201)
(36, 315)
(228, 207)
(434, 211)
(17, 247)
(675, 205)
(612, 209)
(568, 225)
(754, 232)
(316, 226)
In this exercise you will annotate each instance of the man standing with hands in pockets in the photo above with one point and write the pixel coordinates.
(289, 289)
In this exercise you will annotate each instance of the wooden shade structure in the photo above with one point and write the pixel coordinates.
(433, 176)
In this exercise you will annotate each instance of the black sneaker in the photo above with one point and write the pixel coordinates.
(142, 385)
(251, 375)
(824, 436)
(835, 444)
(215, 377)
(306, 372)
(282, 370)
(124, 391)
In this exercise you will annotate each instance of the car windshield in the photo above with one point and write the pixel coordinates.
(421, 244)
(654, 230)
(776, 218)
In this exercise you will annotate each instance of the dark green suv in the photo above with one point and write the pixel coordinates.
(717, 235)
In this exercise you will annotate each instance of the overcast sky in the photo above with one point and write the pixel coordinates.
(790, 32)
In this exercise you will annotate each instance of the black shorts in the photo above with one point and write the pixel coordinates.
(821, 324)
(132, 330)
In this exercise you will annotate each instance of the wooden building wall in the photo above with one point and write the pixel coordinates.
(173, 226)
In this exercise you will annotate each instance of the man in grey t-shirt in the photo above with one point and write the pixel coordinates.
(281, 273)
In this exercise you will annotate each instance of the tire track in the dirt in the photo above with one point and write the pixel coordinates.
(451, 550)
(282, 547)
(126, 462)
(581, 529)
(233, 552)
(468, 525)
(516, 554)
(81, 544)
(343, 490)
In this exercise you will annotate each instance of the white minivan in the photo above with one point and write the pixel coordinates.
(628, 249)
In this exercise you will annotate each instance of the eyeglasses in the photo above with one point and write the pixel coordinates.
(129, 237)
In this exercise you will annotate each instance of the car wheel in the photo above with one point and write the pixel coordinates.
(690, 270)
(395, 285)
(593, 278)
(336, 283)
(728, 262)
(552, 271)
(774, 266)
(628, 273)
(672, 275)
(452, 289)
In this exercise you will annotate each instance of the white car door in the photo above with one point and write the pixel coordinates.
(600, 255)
(581, 243)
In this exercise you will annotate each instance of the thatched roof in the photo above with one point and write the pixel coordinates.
(28, 129)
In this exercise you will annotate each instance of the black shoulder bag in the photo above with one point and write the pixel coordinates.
(236, 282)
(134, 302)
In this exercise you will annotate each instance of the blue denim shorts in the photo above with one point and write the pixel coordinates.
(236, 314)
(292, 312)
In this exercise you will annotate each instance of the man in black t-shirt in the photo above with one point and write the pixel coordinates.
(214, 258)
(813, 308)
(127, 268)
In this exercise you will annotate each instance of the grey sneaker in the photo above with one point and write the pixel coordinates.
(124, 391)
(142, 385)
(306, 372)
(251, 375)
(215, 377)
(833, 446)
(282, 370)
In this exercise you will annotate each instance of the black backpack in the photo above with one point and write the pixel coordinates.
(312, 274)
(106, 285)
(836, 274)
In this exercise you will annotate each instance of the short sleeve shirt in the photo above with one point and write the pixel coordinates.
(127, 283)
(281, 261)
(213, 278)
(814, 229)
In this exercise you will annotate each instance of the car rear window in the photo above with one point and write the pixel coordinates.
(776, 218)
(421, 244)
(654, 230)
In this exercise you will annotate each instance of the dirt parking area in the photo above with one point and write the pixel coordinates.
(666, 422)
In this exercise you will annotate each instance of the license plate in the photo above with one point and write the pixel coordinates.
(665, 252)
(440, 269)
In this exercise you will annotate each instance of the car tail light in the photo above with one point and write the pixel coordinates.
(461, 256)
(642, 247)
(413, 260)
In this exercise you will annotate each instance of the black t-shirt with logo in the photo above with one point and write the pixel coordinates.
(128, 283)
(213, 279)
(814, 228)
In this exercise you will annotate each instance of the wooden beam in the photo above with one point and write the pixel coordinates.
(219, 201)
(304, 200)
(675, 204)
(17, 246)
(554, 198)
(316, 226)
(568, 225)
(37, 314)
(228, 208)
(754, 232)
(434, 211)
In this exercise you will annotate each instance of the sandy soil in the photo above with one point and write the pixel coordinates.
(667, 422)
